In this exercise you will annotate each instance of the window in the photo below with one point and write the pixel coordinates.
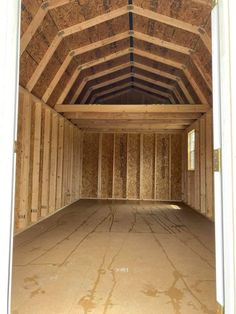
(191, 150)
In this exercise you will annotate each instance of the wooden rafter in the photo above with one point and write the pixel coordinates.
(52, 4)
(106, 17)
(123, 77)
(125, 65)
(104, 42)
(139, 85)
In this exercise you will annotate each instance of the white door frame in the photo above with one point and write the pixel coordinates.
(227, 122)
(224, 119)
(9, 63)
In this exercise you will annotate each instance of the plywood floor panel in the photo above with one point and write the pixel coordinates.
(116, 257)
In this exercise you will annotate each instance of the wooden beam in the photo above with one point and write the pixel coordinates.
(35, 209)
(99, 61)
(139, 85)
(176, 23)
(123, 77)
(162, 43)
(43, 63)
(60, 162)
(32, 28)
(53, 164)
(68, 86)
(156, 108)
(139, 52)
(76, 52)
(195, 86)
(113, 90)
(143, 126)
(94, 21)
(133, 131)
(46, 163)
(120, 67)
(53, 4)
(165, 19)
(56, 78)
(99, 74)
(114, 116)
(99, 192)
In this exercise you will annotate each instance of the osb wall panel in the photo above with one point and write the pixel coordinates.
(90, 165)
(162, 167)
(147, 179)
(107, 165)
(40, 162)
(120, 166)
(176, 166)
(197, 187)
(133, 165)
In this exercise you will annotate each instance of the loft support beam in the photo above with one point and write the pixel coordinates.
(133, 108)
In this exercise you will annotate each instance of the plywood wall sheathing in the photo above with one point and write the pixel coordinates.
(42, 161)
(107, 165)
(90, 165)
(134, 166)
(120, 166)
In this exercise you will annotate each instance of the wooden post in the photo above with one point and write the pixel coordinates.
(36, 163)
(53, 164)
(99, 192)
(155, 167)
(81, 164)
(170, 160)
(141, 168)
(24, 204)
(46, 163)
(113, 170)
(60, 163)
(127, 172)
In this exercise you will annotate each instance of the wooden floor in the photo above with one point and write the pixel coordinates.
(116, 258)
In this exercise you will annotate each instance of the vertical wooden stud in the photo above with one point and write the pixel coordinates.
(170, 168)
(203, 164)
(60, 163)
(127, 172)
(24, 204)
(53, 164)
(113, 170)
(46, 163)
(155, 168)
(36, 163)
(99, 192)
(141, 167)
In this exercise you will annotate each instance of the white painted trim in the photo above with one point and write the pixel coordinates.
(9, 65)
(227, 37)
(218, 215)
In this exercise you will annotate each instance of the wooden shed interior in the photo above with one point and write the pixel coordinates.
(110, 93)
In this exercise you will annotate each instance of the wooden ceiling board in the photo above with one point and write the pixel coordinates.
(184, 10)
(165, 32)
(82, 10)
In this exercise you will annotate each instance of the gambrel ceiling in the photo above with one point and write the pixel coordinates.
(81, 51)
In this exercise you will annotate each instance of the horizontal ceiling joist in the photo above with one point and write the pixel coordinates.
(117, 116)
(140, 85)
(130, 131)
(114, 108)
(48, 5)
